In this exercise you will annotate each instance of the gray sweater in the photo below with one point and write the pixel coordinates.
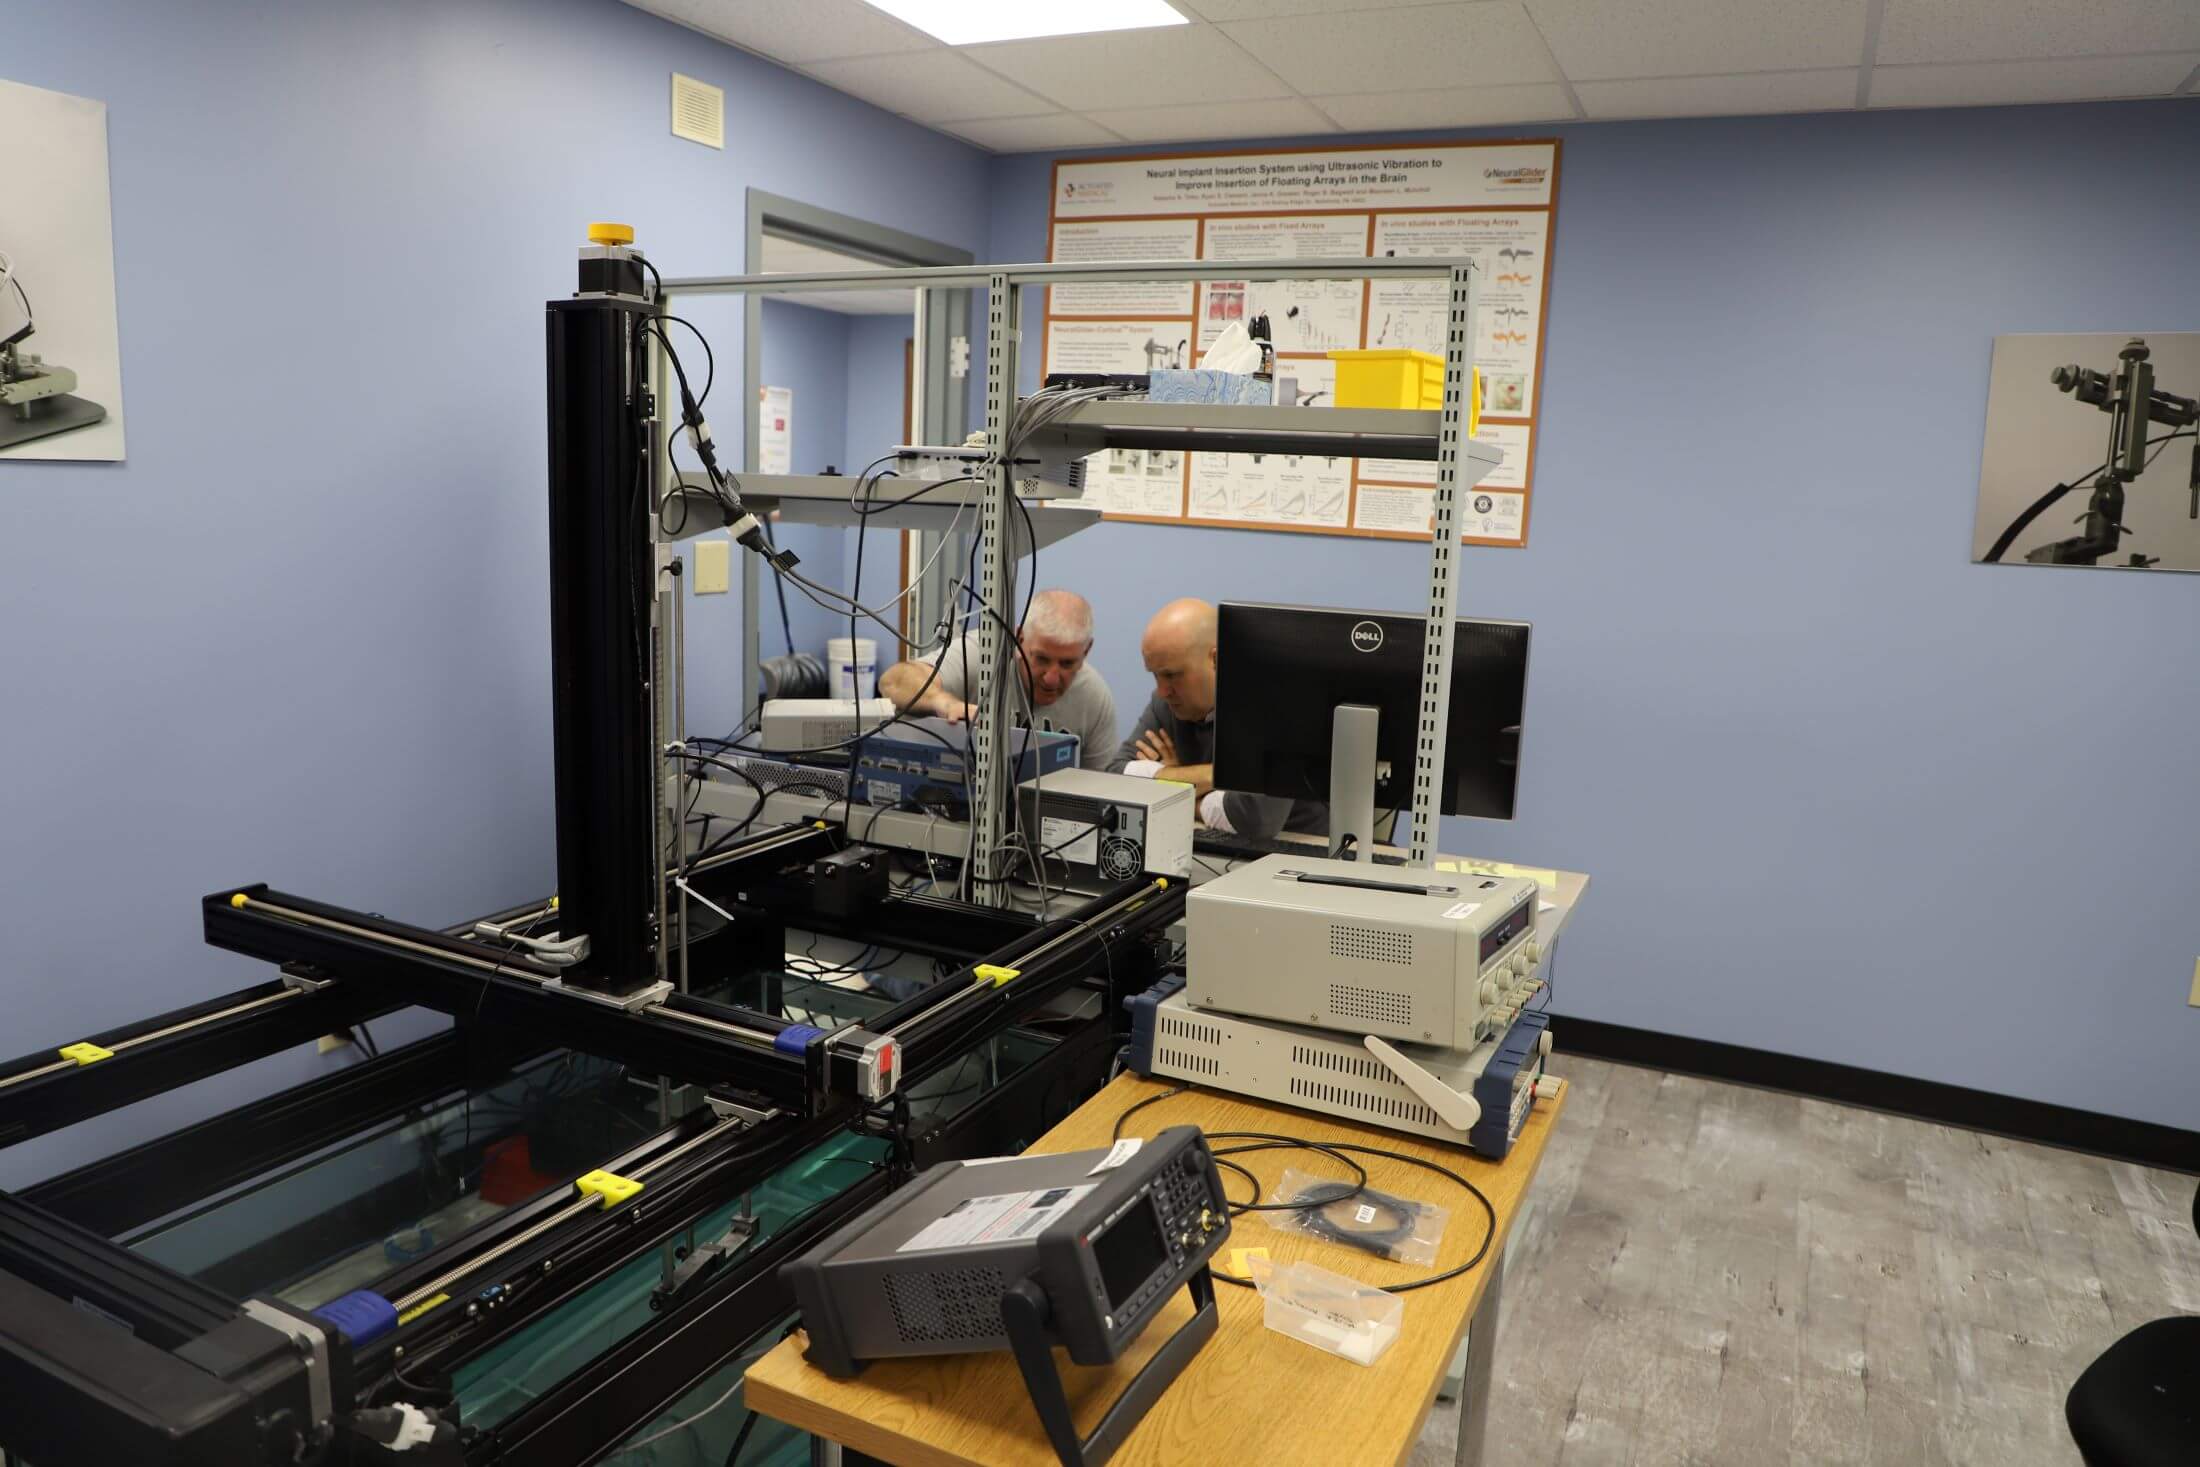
(1258, 817)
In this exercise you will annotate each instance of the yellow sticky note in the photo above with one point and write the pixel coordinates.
(1241, 1260)
(1446, 863)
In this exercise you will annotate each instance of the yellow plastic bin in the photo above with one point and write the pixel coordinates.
(1389, 379)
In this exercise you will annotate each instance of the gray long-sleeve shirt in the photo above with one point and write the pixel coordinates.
(1258, 817)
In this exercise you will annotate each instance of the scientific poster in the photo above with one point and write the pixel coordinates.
(60, 346)
(1488, 202)
(775, 430)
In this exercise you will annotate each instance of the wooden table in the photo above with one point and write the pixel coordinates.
(1251, 1395)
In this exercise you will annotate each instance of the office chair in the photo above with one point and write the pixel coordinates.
(2139, 1404)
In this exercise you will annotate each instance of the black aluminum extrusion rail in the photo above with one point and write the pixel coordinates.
(44, 1092)
(479, 984)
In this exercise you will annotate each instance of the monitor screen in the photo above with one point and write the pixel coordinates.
(1282, 671)
(1129, 1251)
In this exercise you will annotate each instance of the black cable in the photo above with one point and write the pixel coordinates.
(741, 1438)
(868, 483)
(1269, 1141)
(779, 585)
(1384, 1241)
(1170, 1093)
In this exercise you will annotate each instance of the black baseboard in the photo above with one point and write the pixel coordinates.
(1927, 1100)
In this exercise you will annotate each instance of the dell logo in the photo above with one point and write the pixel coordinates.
(1367, 636)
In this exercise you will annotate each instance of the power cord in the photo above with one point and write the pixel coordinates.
(1269, 1141)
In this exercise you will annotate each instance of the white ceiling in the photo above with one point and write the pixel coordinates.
(796, 257)
(1266, 68)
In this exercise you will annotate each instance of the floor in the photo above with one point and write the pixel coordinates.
(1713, 1274)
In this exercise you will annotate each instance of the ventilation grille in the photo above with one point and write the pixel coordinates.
(1370, 944)
(698, 111)
(1344, 1097)
(1378, 1005)
(1184, 1059)
(1189, 1031)
(1360, 1067)
(950, 1304)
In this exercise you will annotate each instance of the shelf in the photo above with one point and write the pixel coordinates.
(1214, 428)
(822, 499)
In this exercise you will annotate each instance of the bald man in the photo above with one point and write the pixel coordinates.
(1067, 692)
(1175, 737)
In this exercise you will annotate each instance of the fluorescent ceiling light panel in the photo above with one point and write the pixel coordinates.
(968, 22)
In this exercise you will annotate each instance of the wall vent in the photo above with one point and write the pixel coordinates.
(698, 111)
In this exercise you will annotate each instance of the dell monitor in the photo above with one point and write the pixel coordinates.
(1323, 704)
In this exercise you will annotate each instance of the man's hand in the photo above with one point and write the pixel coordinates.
(1155, 744)
(954, 709)
(1201, 777)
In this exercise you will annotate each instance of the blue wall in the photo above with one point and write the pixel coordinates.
(299, 636)
(1842, 793)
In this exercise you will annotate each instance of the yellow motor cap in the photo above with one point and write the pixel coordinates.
(604, 232)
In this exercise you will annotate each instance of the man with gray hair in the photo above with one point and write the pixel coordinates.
(1066, 692)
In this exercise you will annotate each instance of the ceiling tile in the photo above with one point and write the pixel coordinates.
(1716, 96)
(1196, 121)
(796, 30)
(1452, 107)
(2019, 30)
(1427, 47)
(1123, 69)
(1596, 39)
(1986, 83)
(1032, 134)
(944, 88)
(1263, 9)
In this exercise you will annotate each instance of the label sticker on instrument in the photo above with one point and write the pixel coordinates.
(1072, 840)
(1459, 911)
(1119, 1153)
(994, 1219)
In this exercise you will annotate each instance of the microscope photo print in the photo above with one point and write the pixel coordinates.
(60, 351)
(2090, 455)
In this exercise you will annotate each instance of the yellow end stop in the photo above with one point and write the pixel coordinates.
(86, 1053)
(995, 974)
(239, 900)
(611, 1188)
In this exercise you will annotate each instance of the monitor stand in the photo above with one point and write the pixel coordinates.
(1352, 781)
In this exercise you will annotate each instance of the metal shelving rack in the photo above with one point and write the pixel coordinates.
(1438, 436)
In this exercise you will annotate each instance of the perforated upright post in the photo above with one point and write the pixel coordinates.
(991, 786)
(1443, 567)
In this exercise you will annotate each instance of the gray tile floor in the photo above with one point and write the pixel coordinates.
(1713, 1274)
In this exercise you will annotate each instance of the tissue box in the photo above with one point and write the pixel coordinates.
(1201, 384)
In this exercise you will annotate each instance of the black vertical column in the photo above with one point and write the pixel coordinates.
(599, 633)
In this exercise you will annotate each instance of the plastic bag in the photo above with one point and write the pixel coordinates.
(1397, 1228)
